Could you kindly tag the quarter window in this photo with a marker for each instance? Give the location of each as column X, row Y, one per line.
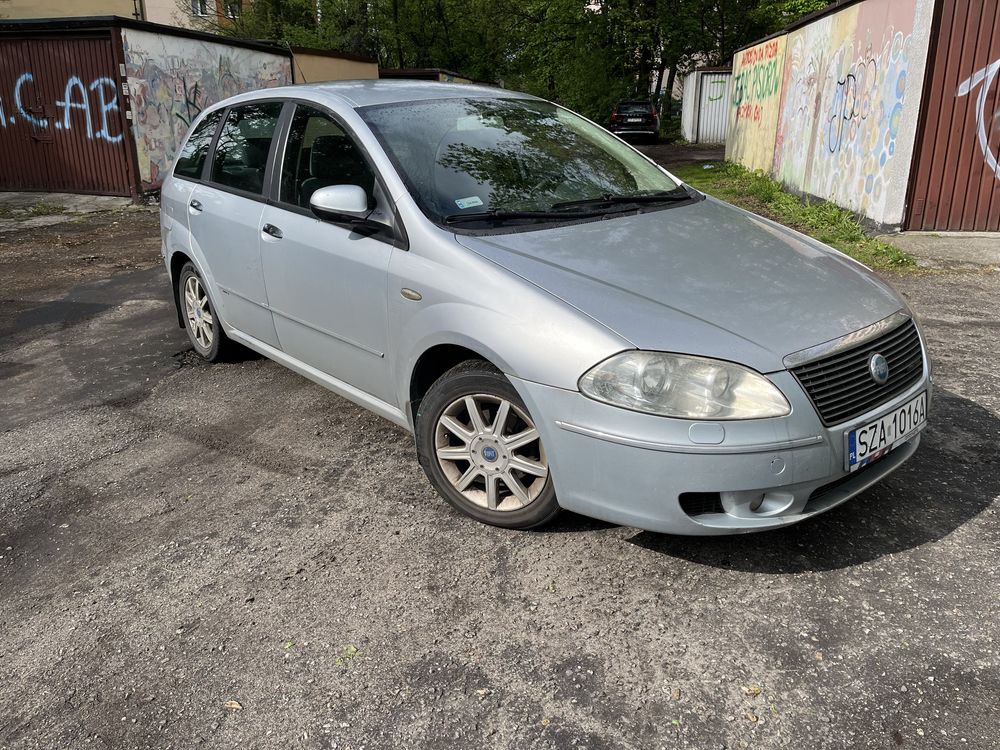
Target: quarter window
column 319, row 154
column 192, row 157
column 244, row 143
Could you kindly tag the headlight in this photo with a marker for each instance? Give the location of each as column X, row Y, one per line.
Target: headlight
column 673, row 385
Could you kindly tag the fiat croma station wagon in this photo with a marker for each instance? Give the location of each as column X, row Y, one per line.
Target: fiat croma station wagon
column 560, row 322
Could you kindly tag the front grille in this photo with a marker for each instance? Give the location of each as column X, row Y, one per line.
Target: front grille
column 841, row 386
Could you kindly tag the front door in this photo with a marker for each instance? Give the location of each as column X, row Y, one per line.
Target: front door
column 326, row 283
column 225, row 215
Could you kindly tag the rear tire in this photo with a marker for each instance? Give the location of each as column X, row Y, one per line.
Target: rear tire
column 201, row 318
column 479, row 447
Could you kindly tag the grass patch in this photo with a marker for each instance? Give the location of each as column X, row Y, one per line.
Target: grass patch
column 824, row 221
column 44, row 209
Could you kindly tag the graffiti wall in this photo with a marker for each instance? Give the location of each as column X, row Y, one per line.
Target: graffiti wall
column 850, row 101
column 172, row 79
column 754, row 102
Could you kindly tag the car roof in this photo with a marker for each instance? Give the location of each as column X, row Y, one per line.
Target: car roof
column 365, row 93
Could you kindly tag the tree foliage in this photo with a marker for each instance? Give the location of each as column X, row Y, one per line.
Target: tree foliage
column 584, row 53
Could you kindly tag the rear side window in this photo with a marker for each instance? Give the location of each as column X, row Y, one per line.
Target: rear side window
column 244, row 143
column 192, row 158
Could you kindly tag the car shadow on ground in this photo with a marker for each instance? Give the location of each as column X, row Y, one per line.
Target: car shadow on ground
column 953, row 477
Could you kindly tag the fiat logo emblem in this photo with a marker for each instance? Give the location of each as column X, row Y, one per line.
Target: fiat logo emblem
column 878, row 366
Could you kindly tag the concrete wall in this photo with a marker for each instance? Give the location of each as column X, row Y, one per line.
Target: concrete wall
column 172, row 79
column 849, row 106
column 62, row 8
column 754, row 104
column 313, row 68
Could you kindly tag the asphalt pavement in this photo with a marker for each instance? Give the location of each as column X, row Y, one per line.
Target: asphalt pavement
column 230, row 556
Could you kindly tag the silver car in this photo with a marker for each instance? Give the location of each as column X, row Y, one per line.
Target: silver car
column 560, row 322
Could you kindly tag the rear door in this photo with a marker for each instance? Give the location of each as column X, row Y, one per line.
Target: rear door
column 225, row 216
column 327, row 282
column 175, row 195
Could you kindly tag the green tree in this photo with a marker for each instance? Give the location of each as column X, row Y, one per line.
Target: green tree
column 586, row 54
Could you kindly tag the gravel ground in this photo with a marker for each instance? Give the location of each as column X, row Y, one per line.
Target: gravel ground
column 231, row 556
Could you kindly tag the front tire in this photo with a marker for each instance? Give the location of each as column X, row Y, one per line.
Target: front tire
column 480, row 448
column 201, row 319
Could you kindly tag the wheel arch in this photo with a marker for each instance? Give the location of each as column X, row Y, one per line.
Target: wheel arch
column 177, row 260
column 434, row 362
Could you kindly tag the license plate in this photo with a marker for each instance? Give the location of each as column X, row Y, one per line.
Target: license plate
column 633, row 119
column 868, row 444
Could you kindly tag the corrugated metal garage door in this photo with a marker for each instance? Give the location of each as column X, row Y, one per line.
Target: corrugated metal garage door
column 62, row 126
column 955, row 182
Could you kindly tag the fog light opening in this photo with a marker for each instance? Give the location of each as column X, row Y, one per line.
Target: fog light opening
column 757, row 502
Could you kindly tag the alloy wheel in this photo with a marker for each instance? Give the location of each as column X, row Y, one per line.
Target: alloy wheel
column 491, row 452
column 199, row 312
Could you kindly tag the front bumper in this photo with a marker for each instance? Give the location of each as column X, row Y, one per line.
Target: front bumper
column 633, row 469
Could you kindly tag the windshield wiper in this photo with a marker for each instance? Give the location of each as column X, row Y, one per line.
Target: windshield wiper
column 498, row 215
column 609, row 199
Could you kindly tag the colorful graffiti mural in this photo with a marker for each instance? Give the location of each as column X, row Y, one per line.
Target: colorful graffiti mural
column 754, row 103
column 845, row 103
column 169, row 87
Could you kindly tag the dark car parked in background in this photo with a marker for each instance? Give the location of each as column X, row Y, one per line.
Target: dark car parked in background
column 636, row 117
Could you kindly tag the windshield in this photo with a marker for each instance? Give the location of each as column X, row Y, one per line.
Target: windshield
column 482, row 156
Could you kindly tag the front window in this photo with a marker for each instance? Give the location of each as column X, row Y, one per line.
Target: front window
column 521, row 159
column 320, row 154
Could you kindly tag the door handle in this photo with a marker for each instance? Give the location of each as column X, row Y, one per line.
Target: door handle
column 273, row 231
column 195, row 206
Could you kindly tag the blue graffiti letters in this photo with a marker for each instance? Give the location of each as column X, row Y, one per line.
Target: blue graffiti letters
column 102, row 86
column 98, row 102
column 18, row 103
column 67, row 104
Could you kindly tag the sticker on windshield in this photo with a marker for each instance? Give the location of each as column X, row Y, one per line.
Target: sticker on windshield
column 469, row 202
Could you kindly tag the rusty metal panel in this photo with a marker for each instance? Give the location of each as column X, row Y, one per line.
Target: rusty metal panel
column 955, row 179
column 62, row 128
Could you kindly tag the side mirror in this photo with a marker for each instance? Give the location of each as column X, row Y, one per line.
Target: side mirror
column 340, row 203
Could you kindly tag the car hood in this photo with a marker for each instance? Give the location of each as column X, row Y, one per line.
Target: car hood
column 705, row 278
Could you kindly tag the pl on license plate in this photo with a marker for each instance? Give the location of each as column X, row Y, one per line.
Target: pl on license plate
column 634, row 119
column 869, row 443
